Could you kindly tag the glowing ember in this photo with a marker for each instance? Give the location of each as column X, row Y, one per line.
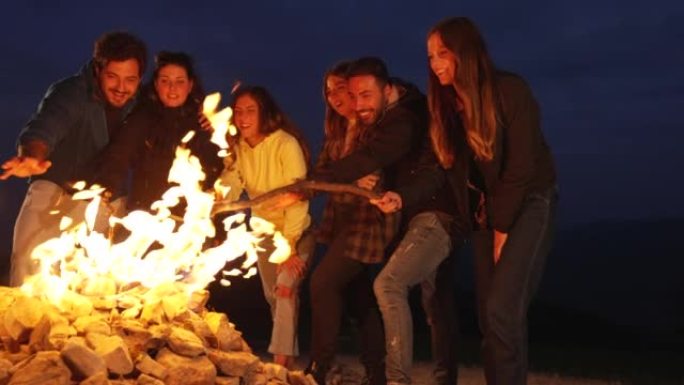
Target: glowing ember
column 163, row 260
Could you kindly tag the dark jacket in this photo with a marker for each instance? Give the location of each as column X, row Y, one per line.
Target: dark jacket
column 393, row 146
column 522, row 161
column 147, row 145
column 71, row 120
column 400, row 147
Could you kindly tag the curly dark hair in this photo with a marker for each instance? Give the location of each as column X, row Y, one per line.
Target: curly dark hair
column 119, row 46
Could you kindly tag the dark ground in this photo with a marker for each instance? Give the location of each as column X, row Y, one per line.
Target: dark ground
column 592, row 341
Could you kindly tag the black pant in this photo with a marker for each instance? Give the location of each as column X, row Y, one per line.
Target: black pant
column 440, row 308
column 505, row 290
column 335, row 279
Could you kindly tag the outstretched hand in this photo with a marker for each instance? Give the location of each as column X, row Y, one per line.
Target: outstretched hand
column 23, row 167
column 368, row 182
column 389, row 203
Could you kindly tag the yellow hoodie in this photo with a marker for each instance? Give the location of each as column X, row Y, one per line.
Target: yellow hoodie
column 276, row 161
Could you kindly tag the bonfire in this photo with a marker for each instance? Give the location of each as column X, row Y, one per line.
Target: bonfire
column 100, row 311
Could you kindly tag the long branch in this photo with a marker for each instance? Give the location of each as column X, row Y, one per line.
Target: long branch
column 297, row 187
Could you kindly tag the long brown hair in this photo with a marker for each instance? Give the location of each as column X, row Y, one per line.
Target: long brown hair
column 476, row 87
column 335, row 125
column 271, row 117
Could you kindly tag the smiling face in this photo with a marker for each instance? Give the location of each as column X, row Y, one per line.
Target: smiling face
column 173, row 85
column 443, row 62
column 119, row 81
column 338, row 97
column 247, row 119
column 369, row 97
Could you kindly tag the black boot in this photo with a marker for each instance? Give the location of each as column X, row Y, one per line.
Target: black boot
column 318, row 371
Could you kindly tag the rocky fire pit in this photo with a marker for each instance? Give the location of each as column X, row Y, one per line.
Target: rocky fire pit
column 166, row 342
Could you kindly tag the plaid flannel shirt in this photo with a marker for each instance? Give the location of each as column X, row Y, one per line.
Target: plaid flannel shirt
column 368, row 230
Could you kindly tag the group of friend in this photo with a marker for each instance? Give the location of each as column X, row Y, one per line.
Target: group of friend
column 466, row 163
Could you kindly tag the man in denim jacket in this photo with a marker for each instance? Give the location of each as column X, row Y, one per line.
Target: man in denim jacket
column 59, row 144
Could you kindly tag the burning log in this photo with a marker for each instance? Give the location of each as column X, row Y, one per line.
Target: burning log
column 297, row 188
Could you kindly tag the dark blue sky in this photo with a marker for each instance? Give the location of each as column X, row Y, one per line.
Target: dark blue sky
column 609, row 75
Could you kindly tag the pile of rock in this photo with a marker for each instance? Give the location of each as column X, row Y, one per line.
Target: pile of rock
column 181, row 345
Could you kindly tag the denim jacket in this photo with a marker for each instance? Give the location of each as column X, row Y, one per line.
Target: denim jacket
column 71, row 120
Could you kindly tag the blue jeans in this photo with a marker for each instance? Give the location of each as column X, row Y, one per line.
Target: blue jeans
column 505, row 290
column 424, row 247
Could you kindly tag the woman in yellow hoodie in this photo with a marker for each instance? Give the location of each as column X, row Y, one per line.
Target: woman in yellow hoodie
column 270, row 152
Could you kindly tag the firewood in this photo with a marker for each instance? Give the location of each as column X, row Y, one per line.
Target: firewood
column 82, row 360
column 297, row 187
column 186, row 370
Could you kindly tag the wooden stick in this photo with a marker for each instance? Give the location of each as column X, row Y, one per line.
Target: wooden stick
column 297, row 187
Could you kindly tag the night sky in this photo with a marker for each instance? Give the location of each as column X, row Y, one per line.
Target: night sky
column 608, row 74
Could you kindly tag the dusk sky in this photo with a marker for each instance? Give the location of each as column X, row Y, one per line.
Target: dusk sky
column 609, row 75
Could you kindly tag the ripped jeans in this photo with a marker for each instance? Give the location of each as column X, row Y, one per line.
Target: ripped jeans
column 284, row 308
column 417, row 259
